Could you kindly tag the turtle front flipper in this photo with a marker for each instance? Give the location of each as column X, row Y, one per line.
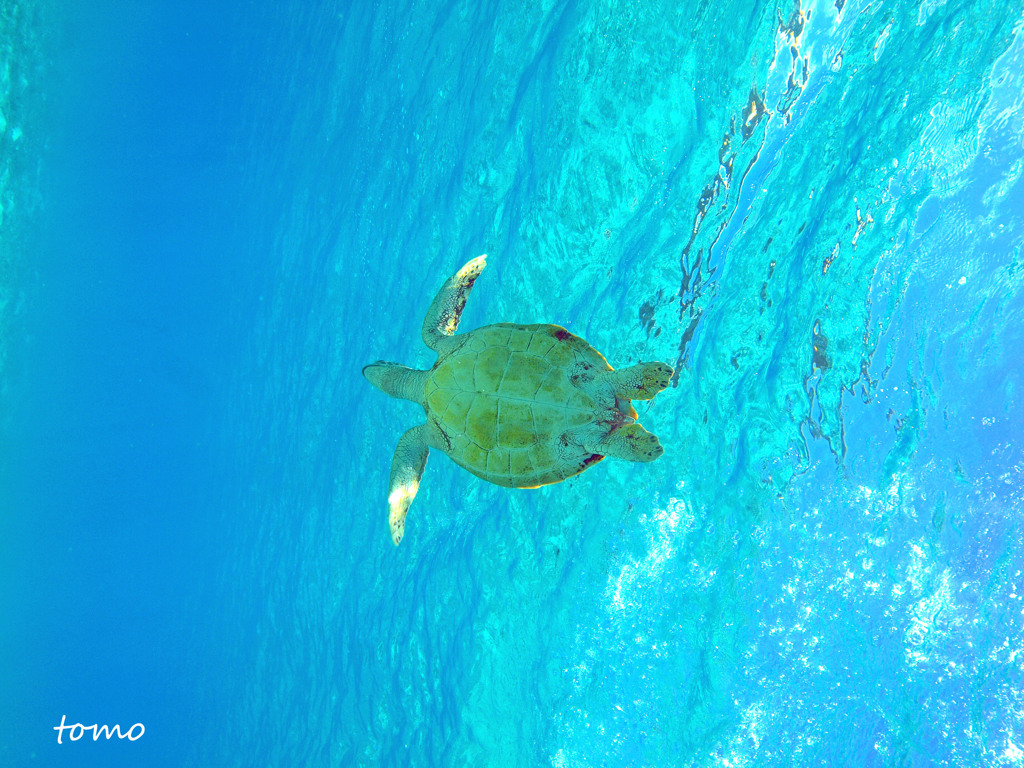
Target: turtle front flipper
column 446, row 310
column 406, row 470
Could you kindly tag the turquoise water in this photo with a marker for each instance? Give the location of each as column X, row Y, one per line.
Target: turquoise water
column 813, row 212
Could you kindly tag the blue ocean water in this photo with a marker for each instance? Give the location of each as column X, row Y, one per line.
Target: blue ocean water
column 213, row 217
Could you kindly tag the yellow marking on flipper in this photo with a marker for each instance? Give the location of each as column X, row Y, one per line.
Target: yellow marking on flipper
column 398, row 502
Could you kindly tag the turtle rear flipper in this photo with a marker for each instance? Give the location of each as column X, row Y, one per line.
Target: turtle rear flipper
column 446, row 310
column 406, row 470
column 632, row 443
column 641, row 381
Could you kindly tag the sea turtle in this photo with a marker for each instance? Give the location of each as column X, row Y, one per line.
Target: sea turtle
column 518, row 405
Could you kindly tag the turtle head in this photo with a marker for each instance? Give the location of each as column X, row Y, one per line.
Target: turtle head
column 396, row 380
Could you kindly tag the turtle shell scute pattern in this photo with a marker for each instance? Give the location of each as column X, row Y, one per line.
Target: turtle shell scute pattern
column 505, row 398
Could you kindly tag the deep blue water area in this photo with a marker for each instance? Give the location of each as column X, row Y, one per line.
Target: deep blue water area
column 213, row 215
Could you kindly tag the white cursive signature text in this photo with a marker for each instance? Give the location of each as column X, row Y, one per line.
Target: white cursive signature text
column 77, row 731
